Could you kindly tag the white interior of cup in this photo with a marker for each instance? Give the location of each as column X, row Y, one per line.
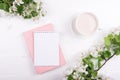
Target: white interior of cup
column 86, row 24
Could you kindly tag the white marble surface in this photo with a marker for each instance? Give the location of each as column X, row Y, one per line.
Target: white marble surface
column 15, row 62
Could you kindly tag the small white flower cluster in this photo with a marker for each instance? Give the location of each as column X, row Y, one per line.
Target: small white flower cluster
column 18, row 2
column 26, row 9
column 13, row 8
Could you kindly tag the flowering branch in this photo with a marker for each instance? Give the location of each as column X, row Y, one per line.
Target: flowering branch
column 96, row 59
column 25, row 8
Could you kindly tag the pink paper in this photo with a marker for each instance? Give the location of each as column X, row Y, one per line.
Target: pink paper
column 30, row 43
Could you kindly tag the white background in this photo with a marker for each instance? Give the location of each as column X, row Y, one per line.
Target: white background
column 15, row 62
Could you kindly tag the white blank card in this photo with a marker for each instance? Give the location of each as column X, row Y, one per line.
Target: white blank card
column 46, row 49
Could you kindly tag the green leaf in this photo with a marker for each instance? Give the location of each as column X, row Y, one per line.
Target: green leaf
column 94, row 74
column 85, row 61
column 89, row 76
column 99, row 61
column 20, row 9
column 101, row 53
column 117, row 51
column 90, row 56
column 27, row 16
column 27, row 1
column 107, row 42
column 70, row 77
column 4, row 6
column 88, row 69
column 83, row 75
column 107, row 54
column 91, row 65
column 34, row 13
column 117, row 38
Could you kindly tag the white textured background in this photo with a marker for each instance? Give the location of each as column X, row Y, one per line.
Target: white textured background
column 15, row 62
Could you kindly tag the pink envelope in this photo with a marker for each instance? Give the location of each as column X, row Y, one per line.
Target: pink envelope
column 29, row 40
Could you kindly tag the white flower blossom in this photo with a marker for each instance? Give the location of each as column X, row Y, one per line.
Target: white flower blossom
column 18, row 2
column 75, row 75
column 13, row 8
column 68, row 71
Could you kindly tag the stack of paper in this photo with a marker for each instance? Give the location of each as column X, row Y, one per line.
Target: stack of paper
column 46, row 54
